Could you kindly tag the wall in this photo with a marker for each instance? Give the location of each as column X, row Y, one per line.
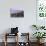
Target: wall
column 6, row 22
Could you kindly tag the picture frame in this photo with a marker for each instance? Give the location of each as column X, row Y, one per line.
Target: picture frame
column 41, row 12
column 16, row 13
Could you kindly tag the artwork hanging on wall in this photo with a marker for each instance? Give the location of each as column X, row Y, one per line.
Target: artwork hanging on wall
column 41, row 8
column 41, row 12
column 16, row 13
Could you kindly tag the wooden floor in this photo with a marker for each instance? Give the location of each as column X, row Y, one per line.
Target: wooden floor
column 13, row 44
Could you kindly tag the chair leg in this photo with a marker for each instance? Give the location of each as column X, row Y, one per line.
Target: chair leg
column 17, row 39
column 5, row 40
column 5, row 43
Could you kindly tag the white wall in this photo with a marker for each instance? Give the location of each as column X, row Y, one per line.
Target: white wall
column 6, row 22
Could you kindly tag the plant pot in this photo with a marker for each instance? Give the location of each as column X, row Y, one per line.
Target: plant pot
column 40, row 41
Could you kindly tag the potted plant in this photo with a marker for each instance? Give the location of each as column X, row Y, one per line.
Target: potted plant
column 35, row 26
column 39, row 35
column 38, row 27
column 42, row 27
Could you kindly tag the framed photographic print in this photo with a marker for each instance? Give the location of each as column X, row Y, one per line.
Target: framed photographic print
column 41, row 12
column 41, row 8
column 16, row 13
